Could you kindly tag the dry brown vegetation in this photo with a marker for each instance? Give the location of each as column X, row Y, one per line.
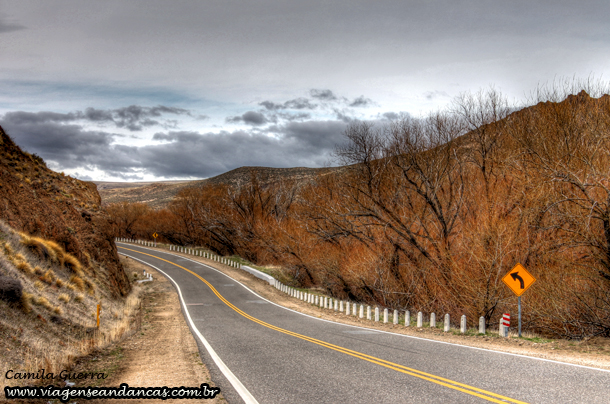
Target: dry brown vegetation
column 429, row 214
column 46, row 205
column 44, row 324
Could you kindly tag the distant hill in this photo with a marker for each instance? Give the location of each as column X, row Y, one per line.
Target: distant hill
column 159, row 194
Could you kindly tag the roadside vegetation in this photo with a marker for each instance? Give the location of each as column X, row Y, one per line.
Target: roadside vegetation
column 48, row 306
column 428, row 214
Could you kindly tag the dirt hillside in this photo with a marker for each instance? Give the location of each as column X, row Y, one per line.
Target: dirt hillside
column 41, row 202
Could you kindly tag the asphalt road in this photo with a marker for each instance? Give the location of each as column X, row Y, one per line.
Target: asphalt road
column 260, row 352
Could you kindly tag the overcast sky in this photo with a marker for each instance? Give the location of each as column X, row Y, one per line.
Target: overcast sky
column 144, row 90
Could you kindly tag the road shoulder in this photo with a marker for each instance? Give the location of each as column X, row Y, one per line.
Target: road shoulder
column 163, row 352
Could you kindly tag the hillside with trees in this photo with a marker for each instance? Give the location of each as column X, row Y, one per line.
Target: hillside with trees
column 430, row 213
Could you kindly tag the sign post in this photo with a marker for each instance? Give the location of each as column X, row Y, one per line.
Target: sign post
column 155, row 235
column 518, row 280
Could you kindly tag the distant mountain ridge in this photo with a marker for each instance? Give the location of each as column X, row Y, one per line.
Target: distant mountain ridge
column 159, row 194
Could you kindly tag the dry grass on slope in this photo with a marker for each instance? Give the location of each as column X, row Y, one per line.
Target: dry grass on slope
column 48, row 306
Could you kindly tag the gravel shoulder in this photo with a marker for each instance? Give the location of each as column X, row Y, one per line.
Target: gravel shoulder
column 163, row 352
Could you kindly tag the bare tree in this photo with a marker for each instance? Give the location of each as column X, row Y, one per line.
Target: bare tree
column 567, row 145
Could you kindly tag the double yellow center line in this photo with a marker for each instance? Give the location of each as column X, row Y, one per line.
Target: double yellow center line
column 464, row 388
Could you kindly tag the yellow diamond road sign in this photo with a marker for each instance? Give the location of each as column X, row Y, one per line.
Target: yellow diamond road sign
column 518, row 279
column 155, row 235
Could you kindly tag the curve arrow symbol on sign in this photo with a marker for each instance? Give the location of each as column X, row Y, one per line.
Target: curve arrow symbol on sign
column 515, row 276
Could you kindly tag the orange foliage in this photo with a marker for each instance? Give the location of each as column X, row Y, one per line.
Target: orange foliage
column 430, row 214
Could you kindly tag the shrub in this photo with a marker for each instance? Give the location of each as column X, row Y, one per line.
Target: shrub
column 42, row 301
column 26, row 300
column 48, row 277
column 90, row 285
column 59, row 283
column 38, row 246
column 8, row 250
column 79, row 298
column 24, row 267
column 10, row 289
column 64, row 297
column 57, row 253
column 78, row 282
column 73, row 264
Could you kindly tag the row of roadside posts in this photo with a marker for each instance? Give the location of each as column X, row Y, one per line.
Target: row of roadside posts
column 517, row 279
column 186, row 250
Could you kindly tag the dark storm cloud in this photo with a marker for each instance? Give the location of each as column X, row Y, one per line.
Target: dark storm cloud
column 133, row 117
column 22, row 118
column 97, row 115
column 344, row 114
column 361, row 101
column 272, row 106
column 8, row 26
column 294, row 116
column 297, row 103
column 249, row 118
column 70, row 146
column 317, row 136
column 392, row 116
column 57, row 141
column 191, row 154
column 325, row 95
column 327, row 101
column 64, row 144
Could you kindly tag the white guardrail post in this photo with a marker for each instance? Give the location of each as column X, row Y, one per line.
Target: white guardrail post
column 447, row 323
column 481, row 325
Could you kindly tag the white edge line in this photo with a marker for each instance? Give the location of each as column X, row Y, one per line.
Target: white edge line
column 237, row 385
column 381, row 331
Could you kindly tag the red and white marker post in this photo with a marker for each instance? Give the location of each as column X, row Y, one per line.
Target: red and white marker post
column 504, row 325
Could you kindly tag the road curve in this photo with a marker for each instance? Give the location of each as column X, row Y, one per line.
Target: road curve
column 260, row 352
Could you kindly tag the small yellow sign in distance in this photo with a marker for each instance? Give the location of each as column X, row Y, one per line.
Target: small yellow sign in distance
column 155, row 235
column 518, row 279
